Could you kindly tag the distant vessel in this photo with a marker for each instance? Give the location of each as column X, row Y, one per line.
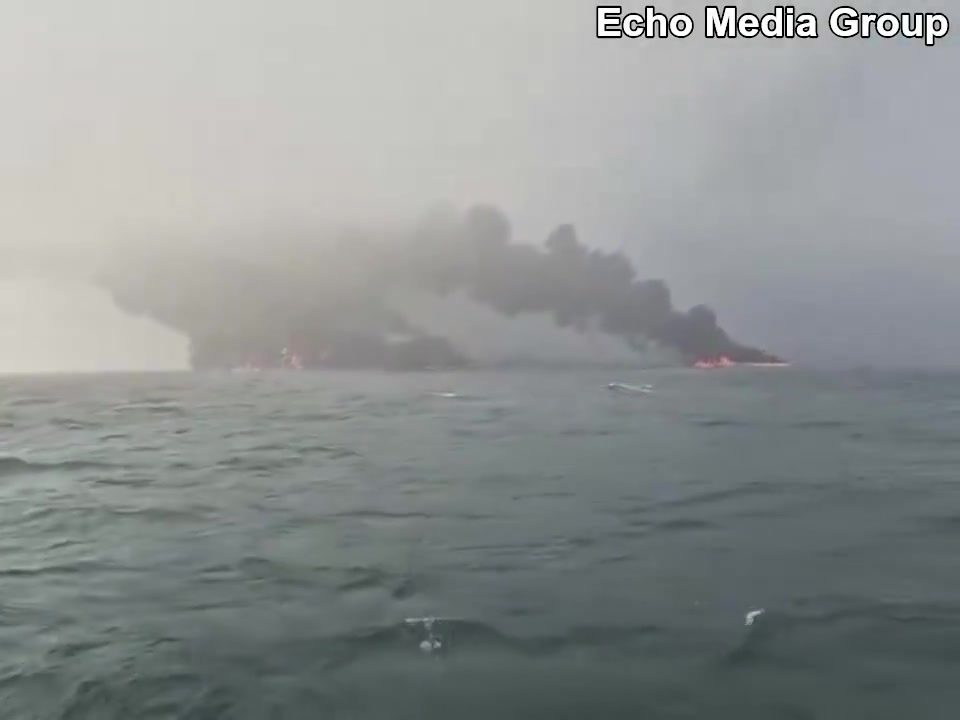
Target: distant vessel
column 714, row 363
column 624, row 388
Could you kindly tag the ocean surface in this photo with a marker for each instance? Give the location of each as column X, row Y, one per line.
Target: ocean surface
column 361, row 545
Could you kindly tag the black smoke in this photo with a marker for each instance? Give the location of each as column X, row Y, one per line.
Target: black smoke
column 236, row 299
column 579, row 287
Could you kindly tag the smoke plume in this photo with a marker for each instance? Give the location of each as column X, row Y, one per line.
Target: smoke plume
column 237, row 300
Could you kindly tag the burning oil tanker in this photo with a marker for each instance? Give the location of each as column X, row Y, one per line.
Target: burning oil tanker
column 309, row 302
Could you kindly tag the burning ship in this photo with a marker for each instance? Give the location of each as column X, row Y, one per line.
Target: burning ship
column 307, row 302
column 716, row 363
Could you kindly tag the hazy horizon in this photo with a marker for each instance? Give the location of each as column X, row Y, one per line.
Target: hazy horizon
column 799, row 187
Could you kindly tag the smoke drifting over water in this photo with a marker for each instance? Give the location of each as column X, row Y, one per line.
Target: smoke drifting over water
column 329, row 301
column 577, row 286
column 789, row 184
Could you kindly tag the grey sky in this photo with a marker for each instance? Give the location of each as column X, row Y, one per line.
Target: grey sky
column 801, row 187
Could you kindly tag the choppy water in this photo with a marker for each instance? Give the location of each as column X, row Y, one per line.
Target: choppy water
column 252, row 547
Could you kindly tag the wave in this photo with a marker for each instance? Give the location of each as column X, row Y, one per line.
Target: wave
column 684, row 525
column 149, row 408
column 796, row 425
column 756, row 487
column 876, row 625
column 31, row 401
column 380, row 515
column 399, row 586
column 819, row 424
column 82, row 567
column 455, row 635
column 941, row 523
column 66, row 423
column 298, row 456
column 323, row 417
column 10, row 465
column 588, row 432
column 336, row 453
column 720, row 422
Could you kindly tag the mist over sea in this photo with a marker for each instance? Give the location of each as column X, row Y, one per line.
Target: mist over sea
column 273, row 545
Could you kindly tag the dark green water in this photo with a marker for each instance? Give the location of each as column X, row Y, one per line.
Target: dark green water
column 251, row 547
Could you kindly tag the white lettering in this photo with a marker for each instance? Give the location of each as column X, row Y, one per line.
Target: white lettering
column 608, row 22
column 912, row 27
column 651, row 24
column 721, row 26
column 748, row 26
column 844, row 22
column 807, row 26
column 783, row 22
column 633, row 25
column 888, row 26
column 681, row 25
column 660, row 21
column 937, row 27
column 866, row 20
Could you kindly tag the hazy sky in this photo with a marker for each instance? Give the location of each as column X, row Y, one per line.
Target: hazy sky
column 802, row 187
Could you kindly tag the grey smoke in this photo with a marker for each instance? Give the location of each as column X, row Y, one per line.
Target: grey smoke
column 789, row 185
column 285, row 290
